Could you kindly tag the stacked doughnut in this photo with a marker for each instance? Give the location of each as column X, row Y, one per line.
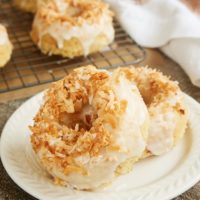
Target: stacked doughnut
column 72, row 28
column 94, row 124
column 87, row 131
column 5, row 46
column 165, row 103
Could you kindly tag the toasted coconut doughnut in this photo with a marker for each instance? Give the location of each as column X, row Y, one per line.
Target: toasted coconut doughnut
column 92, row 127
column 168, row 113
column 5, row 46
column 72, row 27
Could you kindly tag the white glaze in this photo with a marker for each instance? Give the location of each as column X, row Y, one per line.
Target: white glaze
column 161, row 133
column 86, row 33
column 162, row 126
column 3, row 35
column 130, row 136
column 101, row 170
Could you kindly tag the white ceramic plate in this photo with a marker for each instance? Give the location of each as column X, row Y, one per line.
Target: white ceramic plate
column 155, row 178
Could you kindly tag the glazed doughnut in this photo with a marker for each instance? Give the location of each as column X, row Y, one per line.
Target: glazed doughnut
column 165, row 102
column 26, row 5
column 72, row 28
column 91, row 128
column 5, row 46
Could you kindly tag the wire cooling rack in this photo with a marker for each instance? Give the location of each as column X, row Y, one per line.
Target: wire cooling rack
column 28, row 67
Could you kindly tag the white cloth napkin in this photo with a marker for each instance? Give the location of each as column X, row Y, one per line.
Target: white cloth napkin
column 167, row 24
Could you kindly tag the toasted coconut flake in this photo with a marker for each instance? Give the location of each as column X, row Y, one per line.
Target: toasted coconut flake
column 78, row 12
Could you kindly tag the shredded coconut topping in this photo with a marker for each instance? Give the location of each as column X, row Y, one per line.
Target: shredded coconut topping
column 73, row 11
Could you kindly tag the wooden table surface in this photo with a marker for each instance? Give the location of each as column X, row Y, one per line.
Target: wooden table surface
column 154, row 58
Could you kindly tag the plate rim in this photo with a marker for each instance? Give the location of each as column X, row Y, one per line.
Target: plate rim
column 193, row 180
column 9, row 173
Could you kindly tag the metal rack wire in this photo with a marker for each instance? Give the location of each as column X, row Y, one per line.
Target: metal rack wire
column 28, row 67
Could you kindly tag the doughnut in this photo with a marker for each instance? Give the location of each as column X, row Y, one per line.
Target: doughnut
column 92, row 127
column 26, row 5
column 167, row 111
column 5, row 46
column 72, row 28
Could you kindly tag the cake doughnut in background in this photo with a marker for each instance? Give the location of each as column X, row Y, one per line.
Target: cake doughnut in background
column 91, row 128
column 5, row 46
column 167, row 111
column 72, row 28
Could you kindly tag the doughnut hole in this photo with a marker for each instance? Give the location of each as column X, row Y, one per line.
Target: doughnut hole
column 79, row 120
